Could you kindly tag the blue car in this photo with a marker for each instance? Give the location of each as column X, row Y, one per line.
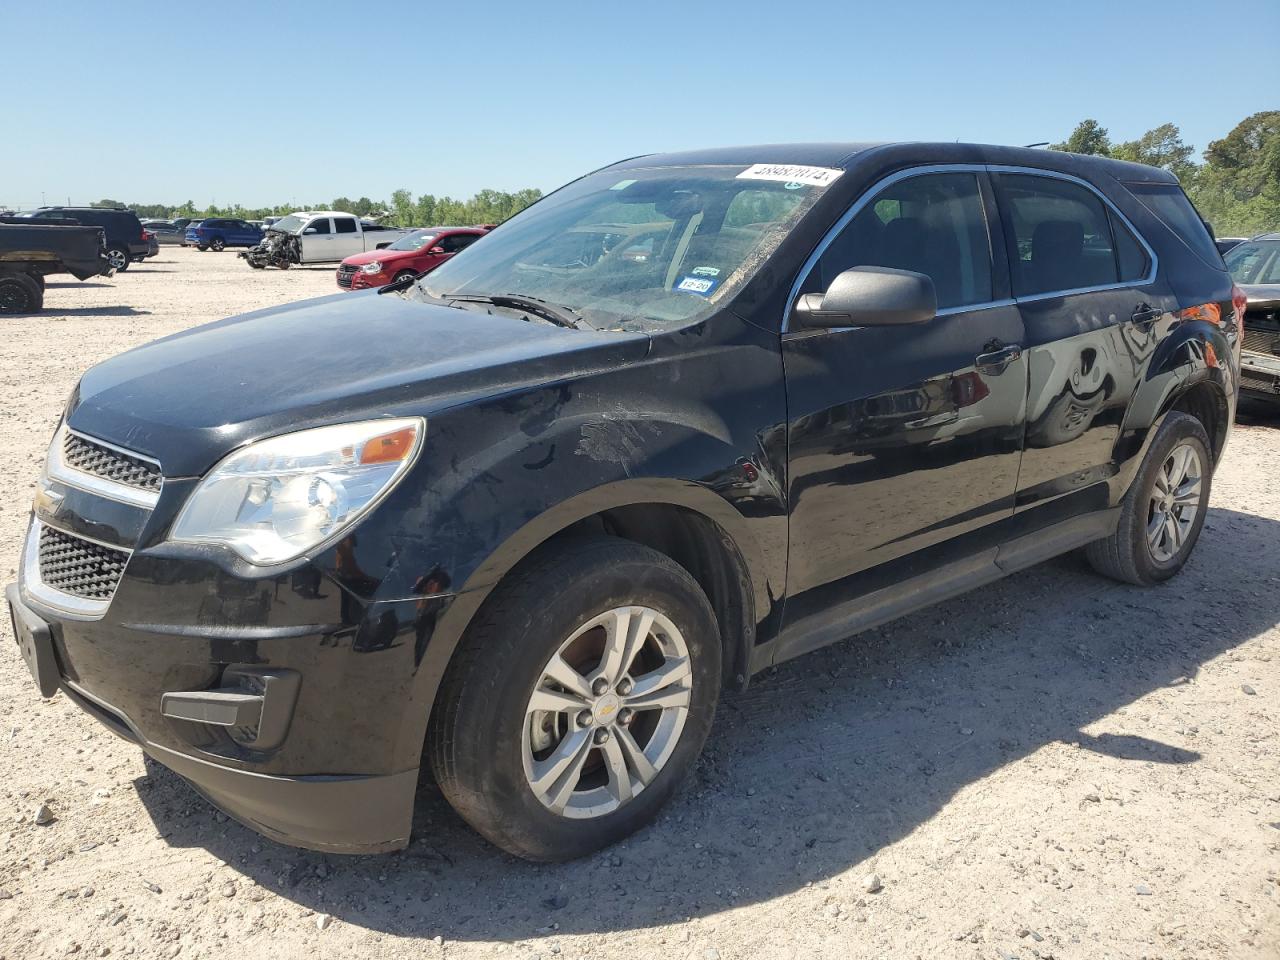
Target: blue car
column 217, row 233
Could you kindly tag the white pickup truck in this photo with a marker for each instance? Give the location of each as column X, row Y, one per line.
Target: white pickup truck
column 320, row 236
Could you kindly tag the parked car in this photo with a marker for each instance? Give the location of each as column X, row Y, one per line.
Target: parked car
column 166, row 231
column 1255, row 265
column 409, row 256
column 153, row 244
column 29, row 252
column 537, row 510
column 269, row 222
column 1227, row 243
column 320, row 236
column 218, row 233
column 125, row 242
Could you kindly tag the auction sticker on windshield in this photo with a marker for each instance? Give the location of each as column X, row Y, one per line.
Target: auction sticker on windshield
column 791, row 173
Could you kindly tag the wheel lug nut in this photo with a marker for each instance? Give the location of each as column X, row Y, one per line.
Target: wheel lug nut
column 625, row 715
column 600, row 686
column 584, row 718
column 625, row 686
column 602, row 736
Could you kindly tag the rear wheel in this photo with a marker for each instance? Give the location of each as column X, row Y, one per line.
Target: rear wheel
column 1164, row 510
column 578, row 700
column 217, row 244
column 19, row 293
column 119, row 258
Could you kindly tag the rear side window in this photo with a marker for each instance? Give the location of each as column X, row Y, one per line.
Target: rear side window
column 344, row 224
column 932, row 224
column 1131, row 259
column 1170, row 204
column 1059, row 235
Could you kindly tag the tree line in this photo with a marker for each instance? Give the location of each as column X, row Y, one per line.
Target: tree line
column 1235, row 186
column 403, row 210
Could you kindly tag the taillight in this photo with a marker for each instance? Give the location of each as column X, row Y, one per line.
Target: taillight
column 1240, row 303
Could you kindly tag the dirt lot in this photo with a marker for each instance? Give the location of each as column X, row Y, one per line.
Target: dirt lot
column 1055, row 766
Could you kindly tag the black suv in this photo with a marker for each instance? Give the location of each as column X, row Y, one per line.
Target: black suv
column 690, row 415
column 125, row 240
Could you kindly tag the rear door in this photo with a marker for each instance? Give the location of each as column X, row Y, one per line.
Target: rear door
column 904, row 437
column 1086, row 288
column 347, row 237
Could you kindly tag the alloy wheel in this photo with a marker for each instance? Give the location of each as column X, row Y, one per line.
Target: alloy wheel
column 118, row 259
column 607, row 712
column 1175, row 502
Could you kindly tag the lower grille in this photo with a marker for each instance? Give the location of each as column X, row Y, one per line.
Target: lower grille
column 345, row 275
column 79, row 567
column 1259, row 385
column 1262, row 340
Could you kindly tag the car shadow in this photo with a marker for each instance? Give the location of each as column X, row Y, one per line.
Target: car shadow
column 75, row 284
column 112, row 311
column 821, row 764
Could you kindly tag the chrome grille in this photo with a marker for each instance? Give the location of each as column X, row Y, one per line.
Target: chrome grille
column 101, row 461
column 79, row 567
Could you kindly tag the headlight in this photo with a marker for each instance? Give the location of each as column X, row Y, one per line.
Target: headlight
column 278, row 498
column 375, row 267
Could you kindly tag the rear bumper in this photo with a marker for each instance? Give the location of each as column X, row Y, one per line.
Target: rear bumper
column 352, row 814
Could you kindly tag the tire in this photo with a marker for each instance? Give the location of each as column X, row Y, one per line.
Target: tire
column 217, row 244
column 19, row 294
column 119, row 258
column 1129, row 554
column 486, row 743
column 403, row 275
column 202, row 247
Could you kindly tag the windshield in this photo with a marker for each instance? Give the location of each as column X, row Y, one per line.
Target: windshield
column 414, row 241
column 290, row 224
column 1255, row 262
column 635, row 248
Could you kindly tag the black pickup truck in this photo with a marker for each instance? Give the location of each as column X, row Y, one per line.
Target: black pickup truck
column 30, row 252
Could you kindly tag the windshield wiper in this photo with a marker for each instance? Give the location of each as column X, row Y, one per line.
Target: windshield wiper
column 560, row 316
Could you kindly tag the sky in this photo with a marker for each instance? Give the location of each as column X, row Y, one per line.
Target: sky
column 266, row 103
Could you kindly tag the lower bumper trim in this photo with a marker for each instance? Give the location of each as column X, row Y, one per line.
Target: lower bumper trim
column 332, row 814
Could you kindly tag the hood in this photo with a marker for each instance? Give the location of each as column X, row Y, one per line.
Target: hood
column 1262, row 294
column 388, row 256
column 188, row 399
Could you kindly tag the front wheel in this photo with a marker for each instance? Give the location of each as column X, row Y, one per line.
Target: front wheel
column 404, row 275
column 118, row 258
column 1163, row 512
column 578, row 700
column 217, row 244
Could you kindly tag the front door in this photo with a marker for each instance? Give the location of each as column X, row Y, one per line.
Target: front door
column 1094, row 313
column 318, row 241
column 904, row 437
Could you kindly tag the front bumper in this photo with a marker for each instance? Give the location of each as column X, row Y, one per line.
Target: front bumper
column 340, row 776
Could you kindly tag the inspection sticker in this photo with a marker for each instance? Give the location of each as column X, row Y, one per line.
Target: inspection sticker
column 702, row 287
column 789, row 173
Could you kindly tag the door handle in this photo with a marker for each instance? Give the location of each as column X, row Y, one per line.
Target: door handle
column 1145, row 314
column 997, row 361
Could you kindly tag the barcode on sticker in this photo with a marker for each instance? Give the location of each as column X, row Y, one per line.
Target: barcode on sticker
column 791, row 173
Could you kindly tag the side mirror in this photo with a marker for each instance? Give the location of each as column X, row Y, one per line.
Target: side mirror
column 436, row 251
column 309, row 230
column 869, row 297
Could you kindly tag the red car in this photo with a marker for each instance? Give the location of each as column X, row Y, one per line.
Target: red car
column 417, row 253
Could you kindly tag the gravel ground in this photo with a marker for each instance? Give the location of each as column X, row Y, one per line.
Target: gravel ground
column 1054, row 766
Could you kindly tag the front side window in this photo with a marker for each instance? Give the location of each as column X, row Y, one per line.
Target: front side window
column 320, row 226
column 640, row 247
column 345, row 224
column 1059, row 235
column 459, row 241
column 932, row 224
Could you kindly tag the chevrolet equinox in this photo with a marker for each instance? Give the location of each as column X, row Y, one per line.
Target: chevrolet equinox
column 526, row 517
